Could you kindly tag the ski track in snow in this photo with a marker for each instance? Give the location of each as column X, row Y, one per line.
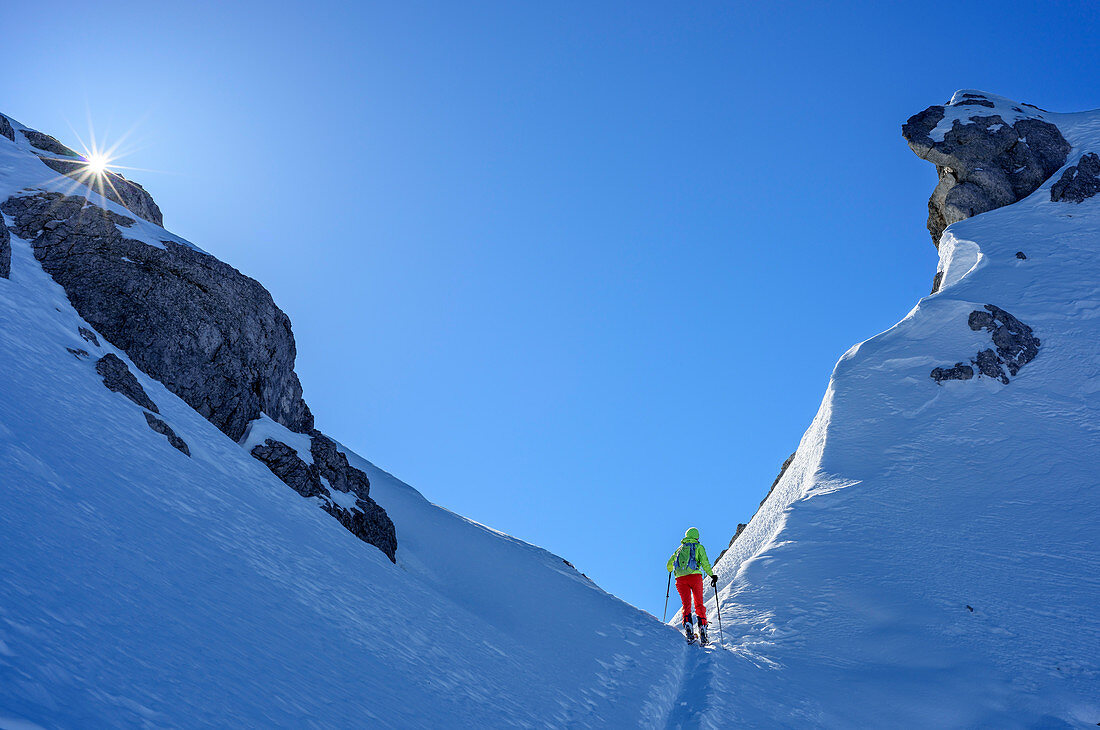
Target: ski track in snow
column 692, row 703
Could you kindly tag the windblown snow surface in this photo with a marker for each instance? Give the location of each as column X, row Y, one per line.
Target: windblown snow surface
column 929, row 559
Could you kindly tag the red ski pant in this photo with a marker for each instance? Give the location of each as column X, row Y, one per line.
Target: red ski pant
column 688, row 586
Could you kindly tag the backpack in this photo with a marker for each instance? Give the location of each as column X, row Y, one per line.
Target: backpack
column 692, row 563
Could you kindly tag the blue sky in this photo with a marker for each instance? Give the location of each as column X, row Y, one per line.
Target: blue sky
column 578, row 271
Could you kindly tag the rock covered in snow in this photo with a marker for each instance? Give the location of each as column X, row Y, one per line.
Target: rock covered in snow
column 209, row 333
column 1015, row 342
column 118, row 378
column 88, row 335
column 45, row 143
column 5, row 251
column 961, row 371
column 366, row 520
column 165, row 430
column 285, row 463
column 1016, row 345
column 362, row 516
column 1079, row 182
column 985, row 160
column 126, row 193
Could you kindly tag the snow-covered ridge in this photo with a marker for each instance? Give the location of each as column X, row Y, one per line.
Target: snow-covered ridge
column 935, row 540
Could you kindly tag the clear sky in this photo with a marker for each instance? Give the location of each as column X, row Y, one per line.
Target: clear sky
column 578, row 271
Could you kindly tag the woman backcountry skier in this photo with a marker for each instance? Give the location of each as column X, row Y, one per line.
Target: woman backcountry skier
column 690, row 562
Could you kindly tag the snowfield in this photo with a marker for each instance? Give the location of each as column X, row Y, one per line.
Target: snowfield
column 929, row 559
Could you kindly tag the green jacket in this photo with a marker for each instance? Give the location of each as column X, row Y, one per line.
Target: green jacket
column 684, row 552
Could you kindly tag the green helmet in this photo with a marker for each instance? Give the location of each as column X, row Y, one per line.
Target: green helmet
column 692, row 533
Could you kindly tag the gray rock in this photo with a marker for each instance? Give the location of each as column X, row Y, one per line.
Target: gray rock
column 975, row 100
column 46, row 143
column 1014, row 342
column 1079, row 182
column 367, row 520
column 1020, row 255
column 165, row 430
column 990, row 366
column 983, row 164
column 937, row 282
column 961, row 371
column 113, row 186
column 5, row 251
column 370, row 523
column 213, row 336
column 117, row 377
column 6, row 128
column 89, row 336
column 78, row 353
column 284, row 462
column 333, row 466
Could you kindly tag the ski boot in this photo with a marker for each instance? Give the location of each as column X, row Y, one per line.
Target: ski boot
column 688, row 631
column 703, row 641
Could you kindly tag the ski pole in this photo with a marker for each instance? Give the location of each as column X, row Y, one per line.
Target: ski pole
column 718, row 605
column 664, row 616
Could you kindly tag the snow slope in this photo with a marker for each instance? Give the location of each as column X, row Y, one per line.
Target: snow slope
column 141, row 587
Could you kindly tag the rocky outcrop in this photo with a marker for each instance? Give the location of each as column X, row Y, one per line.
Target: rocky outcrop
column 368, row 521
column 1079, row 182
column 46, row 143
column 330, row 470
column 88, row 336
column 5, row 251
column 117, row 377
column 961, row 371
column 1014, row 345
column 213, row 336
column 165, row 430
column 111, row 185
column 284, row 462
column 984, row 160
column 6, row 128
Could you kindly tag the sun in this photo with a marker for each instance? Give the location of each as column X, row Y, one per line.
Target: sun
column 97, row 163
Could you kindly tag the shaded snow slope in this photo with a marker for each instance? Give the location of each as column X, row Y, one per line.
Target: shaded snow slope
column 143, row 587
column 931, row 558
